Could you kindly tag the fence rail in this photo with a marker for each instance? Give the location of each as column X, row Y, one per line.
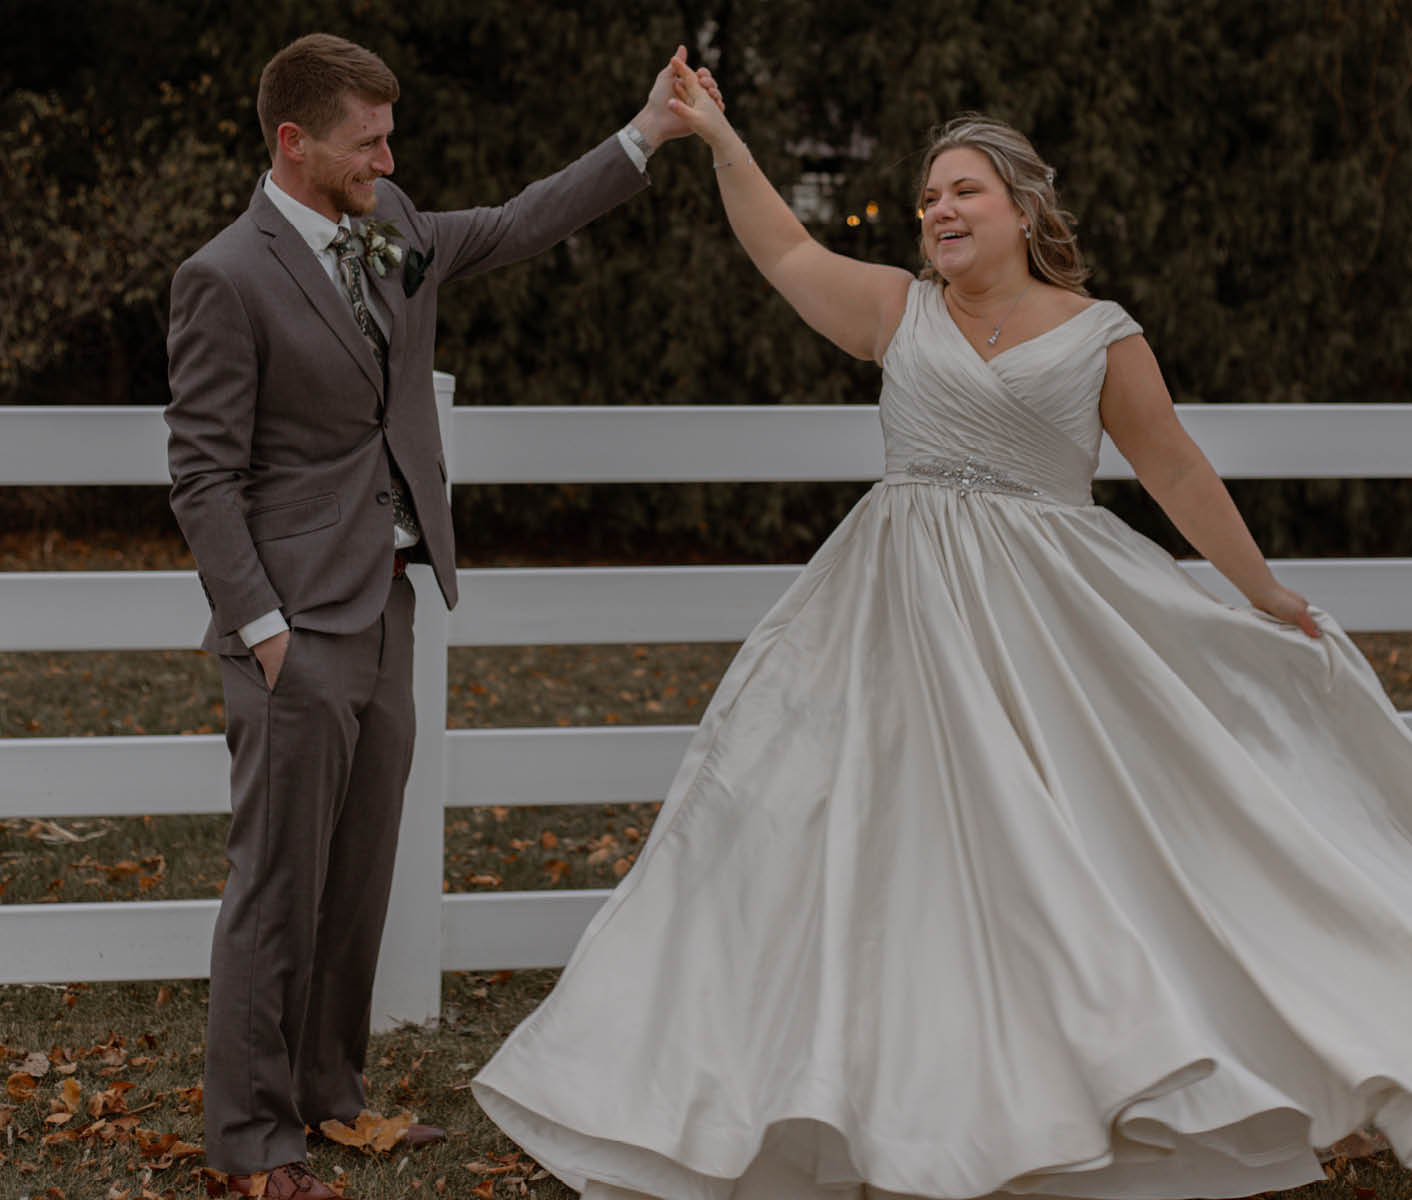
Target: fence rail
column 429, row 932
column 739, row 443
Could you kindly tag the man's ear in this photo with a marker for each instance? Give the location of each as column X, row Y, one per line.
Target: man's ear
column 292, row 141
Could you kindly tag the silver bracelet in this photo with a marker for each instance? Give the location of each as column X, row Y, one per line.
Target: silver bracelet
column 749, row 161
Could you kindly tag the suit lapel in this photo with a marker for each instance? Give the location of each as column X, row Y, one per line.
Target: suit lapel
column 322, row 293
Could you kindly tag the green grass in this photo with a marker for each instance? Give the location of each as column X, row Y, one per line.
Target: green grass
column 150, row 1035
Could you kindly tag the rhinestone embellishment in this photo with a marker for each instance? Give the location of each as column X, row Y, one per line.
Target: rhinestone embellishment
column 968, row 475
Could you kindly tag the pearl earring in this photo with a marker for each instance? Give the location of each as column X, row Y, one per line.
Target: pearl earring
column 1026, row 228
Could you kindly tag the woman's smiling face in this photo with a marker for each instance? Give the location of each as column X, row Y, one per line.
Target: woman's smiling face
column 968, row 218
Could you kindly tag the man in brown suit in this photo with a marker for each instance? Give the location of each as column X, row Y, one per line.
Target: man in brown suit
column 307, row 471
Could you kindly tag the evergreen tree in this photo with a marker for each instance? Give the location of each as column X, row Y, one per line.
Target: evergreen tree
column 1241, row 174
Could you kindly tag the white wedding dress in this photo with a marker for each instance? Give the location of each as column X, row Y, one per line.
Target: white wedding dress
column 1006, row 859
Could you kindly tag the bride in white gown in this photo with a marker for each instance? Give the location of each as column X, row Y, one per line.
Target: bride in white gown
column 1006, row 859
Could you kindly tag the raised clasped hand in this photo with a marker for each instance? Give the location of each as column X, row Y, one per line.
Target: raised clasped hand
column 658, row 121
column 690, row 103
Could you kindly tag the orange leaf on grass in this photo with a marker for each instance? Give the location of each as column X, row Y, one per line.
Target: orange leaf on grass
column 71, row 1095
column 110, row 1102
column 111, row 1052
column 151, row 1144
column 484, row 1191
column 371, row 1132
column 20, row 1086
column 192, row 1097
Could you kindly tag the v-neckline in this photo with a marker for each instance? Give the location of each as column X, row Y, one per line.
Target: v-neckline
column 987, row 362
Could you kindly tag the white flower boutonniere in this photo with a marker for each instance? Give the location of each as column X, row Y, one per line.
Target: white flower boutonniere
column 375, row 242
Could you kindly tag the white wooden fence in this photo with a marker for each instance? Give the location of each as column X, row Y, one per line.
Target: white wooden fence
column 427, row 931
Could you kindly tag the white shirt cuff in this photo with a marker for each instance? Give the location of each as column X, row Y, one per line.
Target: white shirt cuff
column 639, row 160
column 263, row 627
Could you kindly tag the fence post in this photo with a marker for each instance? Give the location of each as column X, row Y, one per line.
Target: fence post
column 408, row 986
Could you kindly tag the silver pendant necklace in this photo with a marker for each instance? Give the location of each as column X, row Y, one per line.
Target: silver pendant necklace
column 995, row 332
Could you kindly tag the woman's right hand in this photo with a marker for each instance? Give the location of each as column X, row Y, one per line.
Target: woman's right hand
column 701, row 113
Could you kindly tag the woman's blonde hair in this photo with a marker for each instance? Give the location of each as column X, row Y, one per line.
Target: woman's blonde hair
column 1053, row 248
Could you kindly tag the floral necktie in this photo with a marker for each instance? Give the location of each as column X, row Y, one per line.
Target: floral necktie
column 351, row 272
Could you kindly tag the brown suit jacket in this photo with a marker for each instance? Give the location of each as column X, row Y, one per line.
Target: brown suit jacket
column 280, row 421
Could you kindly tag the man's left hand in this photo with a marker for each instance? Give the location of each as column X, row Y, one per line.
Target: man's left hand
column 656, row 122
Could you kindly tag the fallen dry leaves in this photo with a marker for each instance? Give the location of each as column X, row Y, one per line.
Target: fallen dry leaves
column 514, row 1170
column 99, row 1123
column 256, row 1185
column 370, row 1133
column 20, row 1086
column 163, row 1149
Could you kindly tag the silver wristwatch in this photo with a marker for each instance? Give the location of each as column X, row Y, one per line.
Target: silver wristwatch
column 639, row 139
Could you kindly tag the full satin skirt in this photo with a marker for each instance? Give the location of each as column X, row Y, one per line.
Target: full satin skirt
column 1006, row 859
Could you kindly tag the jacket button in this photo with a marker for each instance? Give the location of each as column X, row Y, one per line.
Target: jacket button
column 384, row 497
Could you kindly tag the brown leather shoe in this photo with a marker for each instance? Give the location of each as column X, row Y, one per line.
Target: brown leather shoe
column 293, row 1181
column 418, row 1137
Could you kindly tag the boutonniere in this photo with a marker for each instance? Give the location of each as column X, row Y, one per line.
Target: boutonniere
column 416, row 268
column 375, row 238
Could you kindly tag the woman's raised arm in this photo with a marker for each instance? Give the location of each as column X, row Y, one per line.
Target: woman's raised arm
column 856, row 305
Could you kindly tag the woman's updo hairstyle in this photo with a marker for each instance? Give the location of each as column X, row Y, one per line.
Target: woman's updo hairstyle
column 1053, row 248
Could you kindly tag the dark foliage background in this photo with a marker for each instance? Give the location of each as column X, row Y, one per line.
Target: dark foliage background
column 1242, row 175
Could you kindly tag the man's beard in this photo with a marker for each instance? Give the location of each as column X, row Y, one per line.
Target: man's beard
column 355, row 204
column 343, row 197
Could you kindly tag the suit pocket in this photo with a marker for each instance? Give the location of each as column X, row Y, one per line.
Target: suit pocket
column 293, row 517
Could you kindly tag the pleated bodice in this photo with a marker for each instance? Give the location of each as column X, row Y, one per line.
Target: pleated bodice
column 1015, row 424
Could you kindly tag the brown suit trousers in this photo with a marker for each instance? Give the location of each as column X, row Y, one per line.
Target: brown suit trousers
column 319, row 763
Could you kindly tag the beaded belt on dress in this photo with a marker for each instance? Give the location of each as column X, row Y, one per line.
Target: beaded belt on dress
column 967, row 474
